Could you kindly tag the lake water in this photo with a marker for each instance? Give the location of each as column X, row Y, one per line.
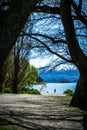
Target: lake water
column 55, row 88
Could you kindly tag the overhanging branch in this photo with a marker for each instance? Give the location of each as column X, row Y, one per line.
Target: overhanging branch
column 50, row 50
column 53, row 40
column 47, row 9
column 56, row 10
column 79, row 15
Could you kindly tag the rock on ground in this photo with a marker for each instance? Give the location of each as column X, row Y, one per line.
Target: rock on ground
column 40, row 112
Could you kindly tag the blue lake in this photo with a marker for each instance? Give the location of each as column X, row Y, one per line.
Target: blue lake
column 57, row 88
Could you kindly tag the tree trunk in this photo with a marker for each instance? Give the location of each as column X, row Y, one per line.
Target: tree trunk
column 1, row 75
column 12, row 22
column 1, row 81
column 15, row 77
column 80, row 96
column 16, row 68
column 78, row 57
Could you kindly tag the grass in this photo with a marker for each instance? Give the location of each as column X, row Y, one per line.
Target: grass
column 8, row 127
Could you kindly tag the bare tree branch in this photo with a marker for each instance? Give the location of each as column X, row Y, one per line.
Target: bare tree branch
column 79, row 15
column 47, row 9
column 45, row 36
column 50, row 50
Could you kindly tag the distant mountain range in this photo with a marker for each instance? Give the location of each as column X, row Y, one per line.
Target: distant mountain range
column 59, row 75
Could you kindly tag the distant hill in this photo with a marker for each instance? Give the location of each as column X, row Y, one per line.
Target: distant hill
column 57, row 76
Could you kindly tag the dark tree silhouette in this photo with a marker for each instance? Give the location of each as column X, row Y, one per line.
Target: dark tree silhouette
column 13, row 16
column 78, row 57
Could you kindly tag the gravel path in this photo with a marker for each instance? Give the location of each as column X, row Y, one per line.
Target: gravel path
column 40, row 112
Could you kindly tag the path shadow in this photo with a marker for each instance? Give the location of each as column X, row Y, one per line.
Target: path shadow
column 28, row 121
column 85, row 122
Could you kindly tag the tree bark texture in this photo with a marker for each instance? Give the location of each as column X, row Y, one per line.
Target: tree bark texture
column 16, row 71
column 79, row 59
column 12, row 22
column 80, row 96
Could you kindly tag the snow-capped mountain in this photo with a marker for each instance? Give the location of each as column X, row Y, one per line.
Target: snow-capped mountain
column 66, row 67
column 63, row 73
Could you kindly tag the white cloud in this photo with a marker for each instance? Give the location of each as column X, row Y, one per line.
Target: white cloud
column 38, row 62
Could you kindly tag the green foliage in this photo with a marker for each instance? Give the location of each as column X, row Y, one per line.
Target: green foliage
column 8, row 127
column 68, row 92
column 30, row 76
column 34, row 91
column 27, row 74
column 29, row 91
column 8, row 90
column 23, row 90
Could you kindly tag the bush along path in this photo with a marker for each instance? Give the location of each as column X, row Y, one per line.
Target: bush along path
column 37, row 112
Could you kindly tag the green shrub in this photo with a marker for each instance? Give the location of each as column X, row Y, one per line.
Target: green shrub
column 8, row 90
column 8, row 127
column 68, row 92
column 34, row 91
column 29, row 91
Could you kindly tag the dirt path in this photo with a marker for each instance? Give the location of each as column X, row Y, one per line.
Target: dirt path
column 37, row 112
